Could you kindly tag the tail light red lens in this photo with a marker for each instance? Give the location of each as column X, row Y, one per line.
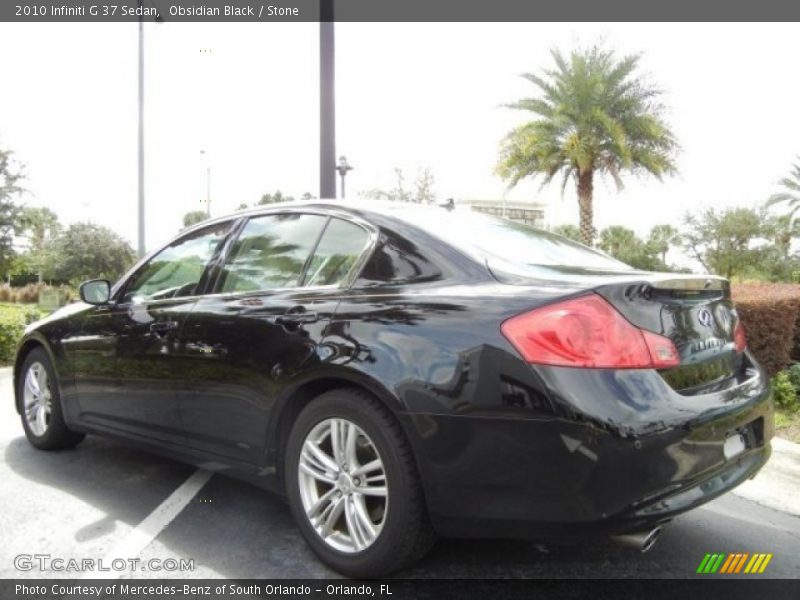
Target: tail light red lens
column 587, row 332
column 739, row 339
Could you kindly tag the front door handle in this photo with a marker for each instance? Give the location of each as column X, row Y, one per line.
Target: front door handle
column 161, row 328
column 297, row 316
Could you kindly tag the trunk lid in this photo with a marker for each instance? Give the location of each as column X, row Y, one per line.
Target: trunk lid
column 694, row 311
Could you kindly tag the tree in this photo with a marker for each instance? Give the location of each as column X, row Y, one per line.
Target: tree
column 42, row 227
column 594, row 115
column 274, row 198
column 10, row 191
column 791, row 191
column 782, row 230
column 193, row 217
column 422, row 192
column 623, row 244
column 778, row 261
column 423, row 187
column 87, row 251
column 569, row 231
column 662, row 237
column 726, row 242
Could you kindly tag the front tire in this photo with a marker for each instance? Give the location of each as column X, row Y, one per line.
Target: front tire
column 353, row 487
column 40, row 404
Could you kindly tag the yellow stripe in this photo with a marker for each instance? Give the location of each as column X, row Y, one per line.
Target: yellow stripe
column 758, row 563
column 728, row 562
column 765, row 563
column 761, row 557
column 750, row 564
column 741, row 562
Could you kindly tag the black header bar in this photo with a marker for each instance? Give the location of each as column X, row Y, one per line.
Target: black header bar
column 181, row 11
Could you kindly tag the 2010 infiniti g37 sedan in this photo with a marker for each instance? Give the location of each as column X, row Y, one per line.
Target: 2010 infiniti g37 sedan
column 400, row 372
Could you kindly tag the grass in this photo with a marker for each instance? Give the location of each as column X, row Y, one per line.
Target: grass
column 787, row 424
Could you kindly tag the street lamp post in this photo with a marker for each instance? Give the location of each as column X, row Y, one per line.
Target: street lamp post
column 327, row 106
column 343, row 167
column 140, row 105
column 140, row 140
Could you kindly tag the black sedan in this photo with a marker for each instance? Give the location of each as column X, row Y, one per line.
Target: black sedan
column 402, row 372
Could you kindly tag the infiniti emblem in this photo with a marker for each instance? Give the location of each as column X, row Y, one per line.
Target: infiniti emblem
column 705, row 318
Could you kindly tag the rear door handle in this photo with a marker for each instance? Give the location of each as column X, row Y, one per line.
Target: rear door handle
column 160, row 328
column 297, row 316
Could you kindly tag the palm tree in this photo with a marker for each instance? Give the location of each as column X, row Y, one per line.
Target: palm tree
column 791, row 191
column 594, row 114
column 618, row 240
column 662, row 237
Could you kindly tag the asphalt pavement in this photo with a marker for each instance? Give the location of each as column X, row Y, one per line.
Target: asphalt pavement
column 105, row 500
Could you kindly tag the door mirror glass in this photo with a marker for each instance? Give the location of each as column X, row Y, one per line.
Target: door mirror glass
column 96, row 291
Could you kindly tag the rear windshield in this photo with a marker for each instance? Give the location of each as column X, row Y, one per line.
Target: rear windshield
column 506, row 243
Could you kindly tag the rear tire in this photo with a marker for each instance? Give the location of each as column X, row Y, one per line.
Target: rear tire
column 389, row 519
column 40, row 404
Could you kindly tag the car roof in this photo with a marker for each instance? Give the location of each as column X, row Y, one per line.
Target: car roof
column 377, row 207
column 377, row 212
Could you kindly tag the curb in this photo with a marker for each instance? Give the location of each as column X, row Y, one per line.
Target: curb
column 776, row 485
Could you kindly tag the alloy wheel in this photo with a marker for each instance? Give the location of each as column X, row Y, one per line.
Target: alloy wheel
column 37, row 399
column 343, row 485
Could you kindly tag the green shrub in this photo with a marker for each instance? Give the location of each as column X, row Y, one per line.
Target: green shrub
column 794, row 376
column 784, row 392
column 12, row 326
column 13, row 320
column 769, row 313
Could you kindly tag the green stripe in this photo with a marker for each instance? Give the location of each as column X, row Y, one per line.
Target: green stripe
column 703, row 564
column 718, row 564
column 710, row 563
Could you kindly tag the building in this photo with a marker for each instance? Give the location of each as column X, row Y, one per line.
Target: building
column 529, row 213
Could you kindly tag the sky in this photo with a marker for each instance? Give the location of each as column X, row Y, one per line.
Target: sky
column 409, row 96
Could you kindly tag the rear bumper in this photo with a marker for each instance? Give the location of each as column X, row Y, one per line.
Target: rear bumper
column 497, row 476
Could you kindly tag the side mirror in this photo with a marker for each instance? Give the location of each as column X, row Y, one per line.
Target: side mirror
column 96, row 291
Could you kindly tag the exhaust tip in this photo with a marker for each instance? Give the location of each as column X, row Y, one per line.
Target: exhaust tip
column 650, row 539
column 639, row 540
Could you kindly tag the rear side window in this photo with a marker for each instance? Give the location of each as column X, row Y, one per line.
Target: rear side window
column 339, row 248
column 514, row 244
column 270, row 252
column 397, row 260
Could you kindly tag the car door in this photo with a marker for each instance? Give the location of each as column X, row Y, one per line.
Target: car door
column 261, row 330
column 127, row 369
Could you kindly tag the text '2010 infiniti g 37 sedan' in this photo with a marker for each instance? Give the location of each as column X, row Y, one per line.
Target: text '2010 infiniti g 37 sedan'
column 401, row 372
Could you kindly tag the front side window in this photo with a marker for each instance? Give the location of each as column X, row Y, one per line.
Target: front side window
column 176, row 270
column 271, row 252
column 336, row 254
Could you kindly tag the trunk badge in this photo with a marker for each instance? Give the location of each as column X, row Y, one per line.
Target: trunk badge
column 705, row 318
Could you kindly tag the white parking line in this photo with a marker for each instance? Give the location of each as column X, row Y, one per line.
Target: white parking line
column 153, row 524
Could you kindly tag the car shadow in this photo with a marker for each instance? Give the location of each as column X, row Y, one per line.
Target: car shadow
column 233, row 528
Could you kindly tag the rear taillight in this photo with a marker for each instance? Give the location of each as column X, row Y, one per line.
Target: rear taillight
column 587, row 332
column 739, row 339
